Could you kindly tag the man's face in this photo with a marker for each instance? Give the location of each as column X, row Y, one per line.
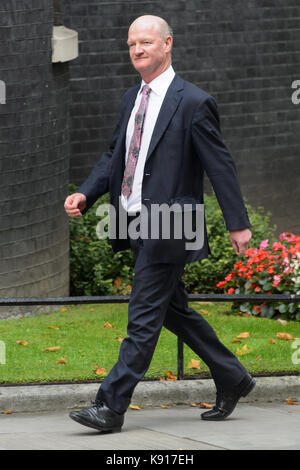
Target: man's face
column 148, row 50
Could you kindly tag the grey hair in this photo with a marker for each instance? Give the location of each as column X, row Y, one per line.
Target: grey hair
column 167, row 30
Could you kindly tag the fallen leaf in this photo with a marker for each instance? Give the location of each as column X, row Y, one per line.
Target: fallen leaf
column 166, row 406
column 194, row 364
column 205, row 312
column 100, row 371
column 290, row 401
column 118, row 282
column 134, row 407
column 91, row 309
column 54, row 327
column 61, row 361
column 54, row 348
column 108, row 325
column 246, row 334
column 21, row 316
column 170, row 376
column 205, row 405
column 244, row 350
column 282, row 322
column 258, row 358
column 119, row 338
column 7, row 412
column 236, row 341
column 272, row 341
column 23, row 343
column 193, row 404
column 63, row 309
column 285, row 336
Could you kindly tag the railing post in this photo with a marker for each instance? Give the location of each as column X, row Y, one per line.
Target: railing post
column 180, row 366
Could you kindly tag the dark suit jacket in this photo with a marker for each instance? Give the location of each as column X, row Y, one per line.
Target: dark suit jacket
column 186, row 141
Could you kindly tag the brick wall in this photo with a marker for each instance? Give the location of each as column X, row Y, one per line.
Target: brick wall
column 244, row 52
column 34, row 155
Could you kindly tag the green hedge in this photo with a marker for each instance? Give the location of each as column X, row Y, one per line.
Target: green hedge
column 97, row 270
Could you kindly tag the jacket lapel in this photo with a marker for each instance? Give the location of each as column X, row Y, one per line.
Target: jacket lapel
column 167, row 110
column 127, row 113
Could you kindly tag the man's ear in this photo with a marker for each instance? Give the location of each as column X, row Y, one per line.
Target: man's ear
column 168, row 43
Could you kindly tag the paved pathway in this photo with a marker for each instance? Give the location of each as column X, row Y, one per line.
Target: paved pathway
column 251, row 426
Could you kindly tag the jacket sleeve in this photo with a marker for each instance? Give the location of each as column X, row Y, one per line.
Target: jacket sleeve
column 97, row 183
column 218, row 164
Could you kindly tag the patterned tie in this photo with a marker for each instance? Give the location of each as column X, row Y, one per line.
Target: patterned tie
column 135, row 143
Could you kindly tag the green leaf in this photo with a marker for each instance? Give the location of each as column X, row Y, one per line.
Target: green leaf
column 245, row 307
column 283, row 308
column 267, row 311
column 292, row 307
column 267, row 286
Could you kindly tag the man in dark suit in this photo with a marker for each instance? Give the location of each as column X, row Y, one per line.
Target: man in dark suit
column 167, row 135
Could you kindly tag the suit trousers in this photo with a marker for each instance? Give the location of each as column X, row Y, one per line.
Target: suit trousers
column 158, row 298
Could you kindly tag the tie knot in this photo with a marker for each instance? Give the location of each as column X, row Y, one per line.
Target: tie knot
column 146, row 90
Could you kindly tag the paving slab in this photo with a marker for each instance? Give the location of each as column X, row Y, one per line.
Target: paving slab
column 251, row 426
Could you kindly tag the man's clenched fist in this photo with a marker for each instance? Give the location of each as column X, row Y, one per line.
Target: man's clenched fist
column 240, row 240
column 74, row 204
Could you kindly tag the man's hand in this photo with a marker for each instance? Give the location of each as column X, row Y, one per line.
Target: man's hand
column 74, row 204
column 240, row 240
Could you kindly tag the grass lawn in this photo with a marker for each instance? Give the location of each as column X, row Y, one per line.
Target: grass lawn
column 85, row 343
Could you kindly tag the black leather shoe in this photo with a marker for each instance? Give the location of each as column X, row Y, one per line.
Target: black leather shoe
column 99, row 417
column 227, row 400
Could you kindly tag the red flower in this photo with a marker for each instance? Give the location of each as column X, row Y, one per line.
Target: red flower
column 260, row 267
column 230, row 291
column 221, row 284
column 239, row 264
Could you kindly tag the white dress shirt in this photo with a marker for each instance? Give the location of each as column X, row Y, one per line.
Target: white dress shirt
column 159, row 87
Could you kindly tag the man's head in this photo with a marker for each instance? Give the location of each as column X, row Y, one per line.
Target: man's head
column 150, row 40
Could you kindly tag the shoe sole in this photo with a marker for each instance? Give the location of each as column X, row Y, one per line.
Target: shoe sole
column 90, row 425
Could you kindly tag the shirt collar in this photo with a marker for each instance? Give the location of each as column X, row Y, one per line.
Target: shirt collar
column 161, row 83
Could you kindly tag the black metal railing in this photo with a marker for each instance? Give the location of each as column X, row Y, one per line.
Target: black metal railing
column 111, row 299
